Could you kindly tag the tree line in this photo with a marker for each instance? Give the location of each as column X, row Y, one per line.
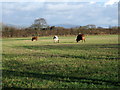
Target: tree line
column 9, row 31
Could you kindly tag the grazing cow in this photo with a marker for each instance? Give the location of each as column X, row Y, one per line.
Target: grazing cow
column 56, row 39
column 34, row 38
column 80, row 37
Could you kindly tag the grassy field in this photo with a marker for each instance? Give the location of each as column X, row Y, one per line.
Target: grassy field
column 44, row 64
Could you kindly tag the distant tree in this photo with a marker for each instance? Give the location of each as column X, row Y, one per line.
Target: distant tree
column 99, row 27
column 91, row 26
column 39, row 24
column 83, row 27
column 114, row 27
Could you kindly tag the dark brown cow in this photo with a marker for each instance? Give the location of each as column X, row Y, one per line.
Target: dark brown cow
column 34, row 38
column 80, row 37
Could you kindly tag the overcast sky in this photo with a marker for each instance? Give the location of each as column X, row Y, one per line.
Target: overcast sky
column 104, row 13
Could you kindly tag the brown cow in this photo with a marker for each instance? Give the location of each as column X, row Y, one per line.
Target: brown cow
column 34, row 38
column 80, row 37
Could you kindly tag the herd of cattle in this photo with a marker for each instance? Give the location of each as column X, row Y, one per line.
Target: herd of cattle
column 56, row 39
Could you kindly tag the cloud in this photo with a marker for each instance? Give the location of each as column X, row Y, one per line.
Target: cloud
column 22, row 0
column 52, row 0
column 9, row 8
column 0, row 12
column 59, row 13
column 63, row 6
column 92, row 2
column 111, row 2
column 29, row 7
column 49, row 0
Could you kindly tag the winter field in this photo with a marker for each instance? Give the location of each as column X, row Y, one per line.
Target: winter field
column 45, row 64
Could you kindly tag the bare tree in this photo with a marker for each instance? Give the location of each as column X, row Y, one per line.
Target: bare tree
column 39, row 24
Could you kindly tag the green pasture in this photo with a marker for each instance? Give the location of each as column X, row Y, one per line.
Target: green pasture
column 45, row 64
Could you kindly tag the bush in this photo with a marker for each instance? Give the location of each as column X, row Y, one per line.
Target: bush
column 8, row 31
